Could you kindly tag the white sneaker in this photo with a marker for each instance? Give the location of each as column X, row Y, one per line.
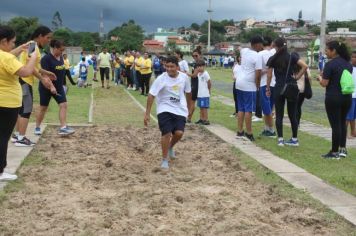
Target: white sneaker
column 256, row 119
column 7, row 176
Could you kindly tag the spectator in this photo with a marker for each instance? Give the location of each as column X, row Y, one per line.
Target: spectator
column 183, row 64
column 204, row 92
column 68, row 74
column 351, row 116
column 157, row 65
column 146, row 73
column 128, row 61
column 104, row 62
column 83, row 74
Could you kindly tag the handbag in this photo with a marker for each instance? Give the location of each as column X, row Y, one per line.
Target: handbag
column 308, row 92
column 290, row 90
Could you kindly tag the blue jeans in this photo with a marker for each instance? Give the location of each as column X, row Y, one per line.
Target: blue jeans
column 117, row 75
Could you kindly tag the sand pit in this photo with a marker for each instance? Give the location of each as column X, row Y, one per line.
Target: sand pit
column 105, row 181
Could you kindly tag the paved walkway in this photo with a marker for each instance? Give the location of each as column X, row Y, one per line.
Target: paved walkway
column 15, row 155
column 305, row 126
column 339, row 201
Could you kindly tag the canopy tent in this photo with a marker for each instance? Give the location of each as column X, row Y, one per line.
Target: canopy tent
column 216, row 51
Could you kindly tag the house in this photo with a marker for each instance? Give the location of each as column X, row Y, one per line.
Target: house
column 181, row 45
column 300, row 42
column 232, row 31
column 263, row 25
column 225, row 46
column 249, row 22
column 153, row 46
column 162, row 35
column 343, row 33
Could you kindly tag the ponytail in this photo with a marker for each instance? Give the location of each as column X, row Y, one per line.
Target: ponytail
column 340, row 48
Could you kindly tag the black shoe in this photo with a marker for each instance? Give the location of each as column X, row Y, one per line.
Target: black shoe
column 249, row 137
column 25, row 142
column 331, row 155
column 199, row 122
column 206, row 122
column 343, row 153
column 240, row 134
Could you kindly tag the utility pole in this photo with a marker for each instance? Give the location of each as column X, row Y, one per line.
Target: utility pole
column 323, row 27
column 209, row 24
column 101, row 31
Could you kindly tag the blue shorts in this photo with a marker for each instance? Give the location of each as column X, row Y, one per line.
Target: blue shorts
column 266, row 102
column 170, row 123
column 203, row 102
column 246, row 101
column 352, row 112
column 46, row 95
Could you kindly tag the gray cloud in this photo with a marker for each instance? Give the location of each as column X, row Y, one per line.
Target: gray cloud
column 83, row 15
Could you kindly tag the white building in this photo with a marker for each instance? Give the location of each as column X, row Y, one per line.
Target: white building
column 343, row 32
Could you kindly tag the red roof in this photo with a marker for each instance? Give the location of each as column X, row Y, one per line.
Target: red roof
column 153, row 43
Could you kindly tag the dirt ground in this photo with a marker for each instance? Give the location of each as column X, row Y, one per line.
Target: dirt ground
column 106, row 181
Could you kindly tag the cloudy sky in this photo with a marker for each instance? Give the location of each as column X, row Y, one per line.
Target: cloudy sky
column 83, row 15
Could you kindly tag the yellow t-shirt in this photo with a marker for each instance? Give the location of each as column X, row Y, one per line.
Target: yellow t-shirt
column 116, row 64
column 147, row 63
column 138, row 63
column 129, row 60
column 10, row 88
column 105, row 59
column 66, row 64
column 24, row 59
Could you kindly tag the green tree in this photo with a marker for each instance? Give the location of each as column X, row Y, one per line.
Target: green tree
column 195, row 26
column 24, row 27
column 246, row 35
column 57, row 21
column 87, row 42
column 314, row 29
column 65, row 35
column 171, row 46
column 130, row 36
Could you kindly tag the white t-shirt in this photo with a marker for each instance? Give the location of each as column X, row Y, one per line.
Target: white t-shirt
column 203, row 90
column 226, row 60
column 183, row 66
column 354, row 77
column 246, row 74
column 265, row 55
column 170, row 93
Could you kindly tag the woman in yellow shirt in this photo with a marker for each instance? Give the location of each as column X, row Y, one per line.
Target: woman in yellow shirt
column 68, row 75
column 10, row 90
column 146, row 72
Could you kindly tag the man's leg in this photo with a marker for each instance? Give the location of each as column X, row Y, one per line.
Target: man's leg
column 240, row 121
column 353, row 130
column 178, row 134
column 63, row 114
column 40, row 115
column 248, row 122
column 102, row 71
column 165, row 143
column 107, row 74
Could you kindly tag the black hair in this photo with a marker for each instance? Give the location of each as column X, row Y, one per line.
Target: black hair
column 83, row 58
column 354, row 52
column 162, row 58
column 55, row 43
column 172, row 59
column 197, row 50
column 281, row 58
column 200, row 62
column 7, row 33
column 341, row 49
column 267, row 41
column 256, row 40
column 179, row 53
column 41, row 30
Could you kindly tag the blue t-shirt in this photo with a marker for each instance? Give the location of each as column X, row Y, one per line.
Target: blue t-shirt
column 333, row 71
column 83, row 71
column 50, row 63
column 280, row 65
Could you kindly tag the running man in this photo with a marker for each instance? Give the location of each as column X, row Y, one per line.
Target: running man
column 171, row 89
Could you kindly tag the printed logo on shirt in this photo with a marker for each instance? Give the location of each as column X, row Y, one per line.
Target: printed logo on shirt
column 62, row 67
column 174, row 91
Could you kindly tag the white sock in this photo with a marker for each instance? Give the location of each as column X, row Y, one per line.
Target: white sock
column 280, row 139
column 64, row 127
column 16, row 133
column 20, row 137
column 295, row 139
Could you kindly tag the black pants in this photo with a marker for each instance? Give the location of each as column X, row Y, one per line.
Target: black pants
column 337, row 108
column 8, row 118
column 128, row 76
column 234, row 92
column 258, row 112
column 138, row 79
column 69, row 76
column 104, row 71
column 279, row 102
column 145, row 82
column 301, row 98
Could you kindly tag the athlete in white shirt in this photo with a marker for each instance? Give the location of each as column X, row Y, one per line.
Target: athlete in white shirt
column 204, row 89
column 170, row 89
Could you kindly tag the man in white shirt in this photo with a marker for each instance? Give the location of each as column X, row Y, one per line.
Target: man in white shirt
column 171, row 89
column 247, row 81
column 267, row 102
column 104, row 62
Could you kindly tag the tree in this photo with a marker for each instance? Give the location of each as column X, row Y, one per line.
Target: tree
column 245, row 36
column 130, row 34
column 24, row 27
column 195, row 26
column 171, row 46
column 301, row 22
column 65, row 35
column 87, row 42
column 57, row 21
column 314, row 29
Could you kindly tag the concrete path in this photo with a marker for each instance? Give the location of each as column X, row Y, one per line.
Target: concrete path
column 339, row 201
column 305, row 126
column 15, row 155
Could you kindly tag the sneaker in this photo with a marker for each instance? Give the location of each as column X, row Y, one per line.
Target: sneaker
column 189, row 121
column 240, row 135
column 13, row 138
column 249, row 137
column 25, row 142
column 280, row 142
column 343, row 153
column 66, row 131
column 256, row 119
column 7, row 176
column 291, row 142
column 206, row 122
column 270, row 134
column 38, row 131
column 199, row 122
column 165, row 164
column 171, row 153
column 95, row 80
column 331, row 155
column 233, row 115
